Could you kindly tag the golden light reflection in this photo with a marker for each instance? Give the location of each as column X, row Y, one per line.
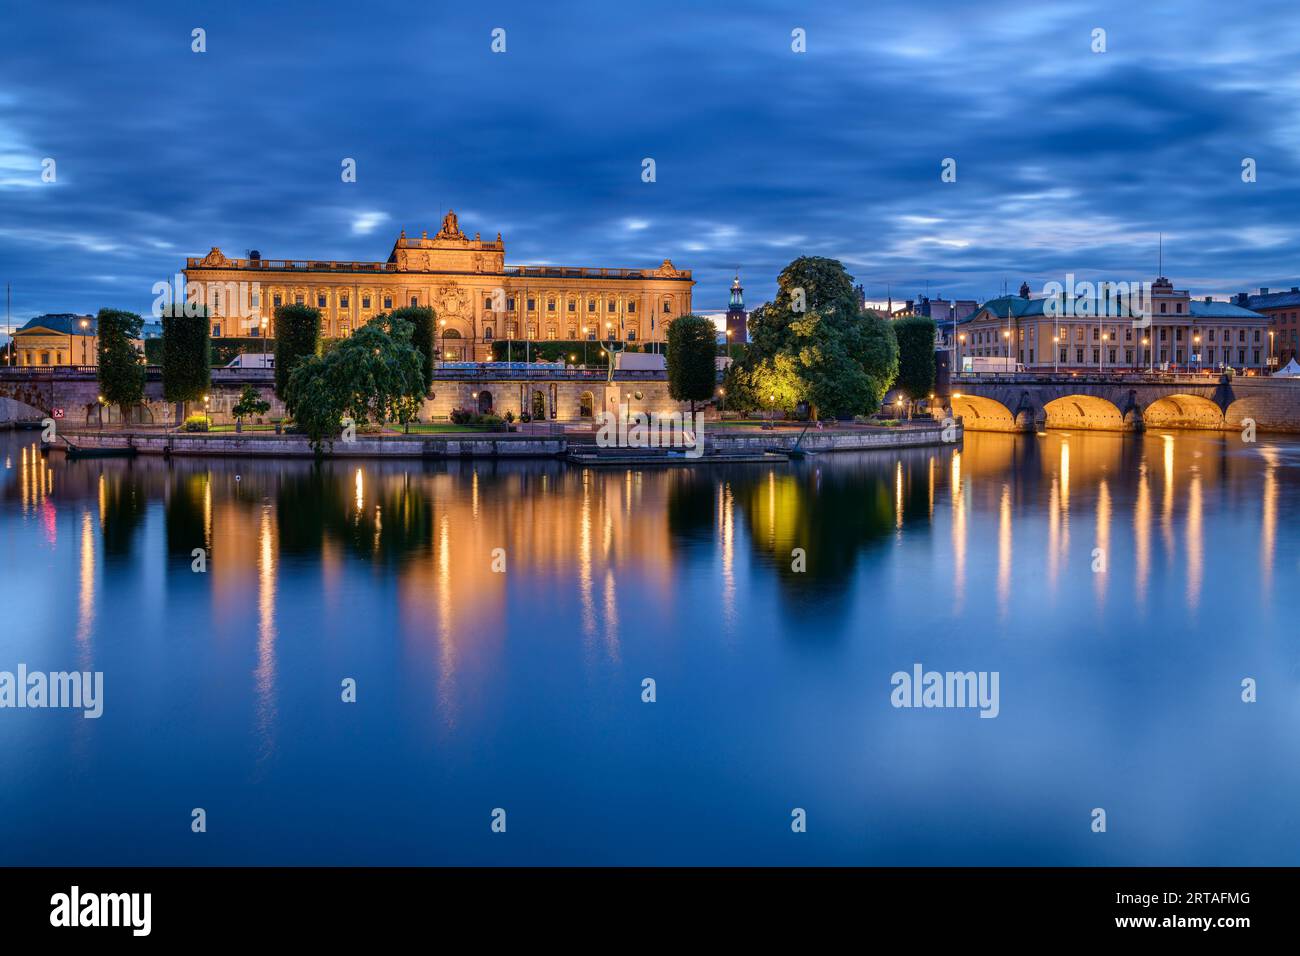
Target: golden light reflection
column 86, row 590
column 361, row 495
column 1195, row 556
column 1100, row 579
column 264, row 676
column 898, row 495
column 958, row 536
column 1054, row 534
column 1167, row 503
column 1142, row 534
column 727, row 521
column 1004, row 551
column 1268, row 520
column 446, row 638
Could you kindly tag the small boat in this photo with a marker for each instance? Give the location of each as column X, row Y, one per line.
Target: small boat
column 80, row 451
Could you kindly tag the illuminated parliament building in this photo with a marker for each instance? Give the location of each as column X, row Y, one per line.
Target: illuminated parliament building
column 477, row 297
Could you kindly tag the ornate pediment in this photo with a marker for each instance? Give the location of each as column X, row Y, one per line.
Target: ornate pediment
column 668, row 271
column 215, row 259
column 452, row 302
column 450, row 228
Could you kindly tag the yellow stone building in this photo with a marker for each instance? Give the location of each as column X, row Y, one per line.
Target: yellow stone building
column 477, row 297
column 62, row 338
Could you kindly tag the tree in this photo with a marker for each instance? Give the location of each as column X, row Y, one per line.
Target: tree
column 250, row 403
column 121, row 373
column 692, row 370
column 814, row 344
column 423, row 322
column 374, row 374
column 297, row 337
column 915, row 356
column 187, row 375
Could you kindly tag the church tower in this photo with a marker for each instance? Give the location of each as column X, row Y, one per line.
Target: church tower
column 737, row 317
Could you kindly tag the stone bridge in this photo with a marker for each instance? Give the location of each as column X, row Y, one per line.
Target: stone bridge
column 550, row 393
column 1123, row 402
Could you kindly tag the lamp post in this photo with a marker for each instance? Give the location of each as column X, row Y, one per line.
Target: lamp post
column 1056, row 353
column 1006, row 338
column 722, row 395
column 84, row 325
column 962, row 339
column 1196, row 343
column 1271, row 363
column 1150, row 358
column 1101, row 353
column 584, row 346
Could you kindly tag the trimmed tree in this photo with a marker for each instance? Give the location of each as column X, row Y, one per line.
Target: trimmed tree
column 916, row 371
column 121, row 372
column 297, row 337
column 692, row 369
column 250, row 403
column 187, row 376
column 423, row 323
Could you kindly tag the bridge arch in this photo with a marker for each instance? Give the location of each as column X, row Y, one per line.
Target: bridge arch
column 1183, row 411
column 980, row 414
column 1084, row 412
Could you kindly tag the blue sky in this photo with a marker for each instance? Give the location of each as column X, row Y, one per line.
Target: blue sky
column 1067, row 160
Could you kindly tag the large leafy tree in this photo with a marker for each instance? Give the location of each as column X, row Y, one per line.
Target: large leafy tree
column 186, row 371
column 916, row 369
column 423, row 324
column 692, row 369
column 375, row 374
column 297, row 337
column 121, row 371
column 814, row 344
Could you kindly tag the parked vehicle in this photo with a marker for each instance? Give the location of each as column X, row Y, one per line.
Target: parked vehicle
column 976, row 364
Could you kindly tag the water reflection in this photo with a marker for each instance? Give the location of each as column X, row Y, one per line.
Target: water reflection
column 476, row 679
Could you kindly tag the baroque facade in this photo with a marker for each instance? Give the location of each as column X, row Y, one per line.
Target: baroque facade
column 477, row 297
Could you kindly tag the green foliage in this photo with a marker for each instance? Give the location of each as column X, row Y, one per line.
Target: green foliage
column 153, row 351
column 814, row 344
column 186, row 374
column 916, row 369
column 692, row 369
column 423, row 325
column 250, row 403
column 376, row 374
column 197, row 423
column 121, row 373
column 297, row 338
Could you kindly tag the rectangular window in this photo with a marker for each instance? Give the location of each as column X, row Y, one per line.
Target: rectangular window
column 415, row 300
column 216, row 330
column 1078, row 356
column 487, row 333
column 320, row 301
column 343, row 301
column 510, row 304
column 1164, row 307
column 573, row 305
column 1096, row 356
column 532, row 305
column 668, row 308
column 609, row 306
column 1064, row 359
column 631, row 307
column 550, row 305
column 631, row 335
column 388, row 302
column 277, row 301
column 1256, row 362
column 591, row 305
column 365, row 302
column 298, row 300
column 487, row 305
column 1257, row 335
column 1178, row 335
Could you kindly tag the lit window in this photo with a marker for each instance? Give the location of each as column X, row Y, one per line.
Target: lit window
column 298, row 300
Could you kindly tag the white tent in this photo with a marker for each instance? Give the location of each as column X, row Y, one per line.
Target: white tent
column 1290, row 370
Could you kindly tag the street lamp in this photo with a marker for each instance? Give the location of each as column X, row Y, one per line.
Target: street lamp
column 584, row 346
column 85, row 324
column 1271, row 363
column 1146, row 341
column 1006, row 337
column 1101, row 353
column 1056, row 353
column 1196, row 343
column 722, row 394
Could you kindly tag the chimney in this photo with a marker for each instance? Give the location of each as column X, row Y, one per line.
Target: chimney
column 1263, row 290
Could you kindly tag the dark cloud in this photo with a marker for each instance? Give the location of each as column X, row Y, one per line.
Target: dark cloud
column 1067, row 160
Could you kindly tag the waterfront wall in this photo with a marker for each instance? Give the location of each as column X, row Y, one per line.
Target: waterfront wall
column 505, row 445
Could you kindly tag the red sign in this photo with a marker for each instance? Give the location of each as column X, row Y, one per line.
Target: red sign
column 58, row 413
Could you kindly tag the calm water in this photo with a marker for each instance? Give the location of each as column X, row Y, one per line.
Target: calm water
column 522, row 690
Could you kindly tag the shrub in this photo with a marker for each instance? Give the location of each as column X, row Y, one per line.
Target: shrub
column 197, row 423
column 461, row 416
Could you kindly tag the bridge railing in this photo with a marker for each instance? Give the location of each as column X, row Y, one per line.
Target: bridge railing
column 1098, row 378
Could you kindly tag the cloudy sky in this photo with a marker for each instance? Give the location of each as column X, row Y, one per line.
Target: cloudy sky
column 1067, row 160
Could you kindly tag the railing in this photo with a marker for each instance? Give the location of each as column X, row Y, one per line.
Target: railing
column 1207, row 377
